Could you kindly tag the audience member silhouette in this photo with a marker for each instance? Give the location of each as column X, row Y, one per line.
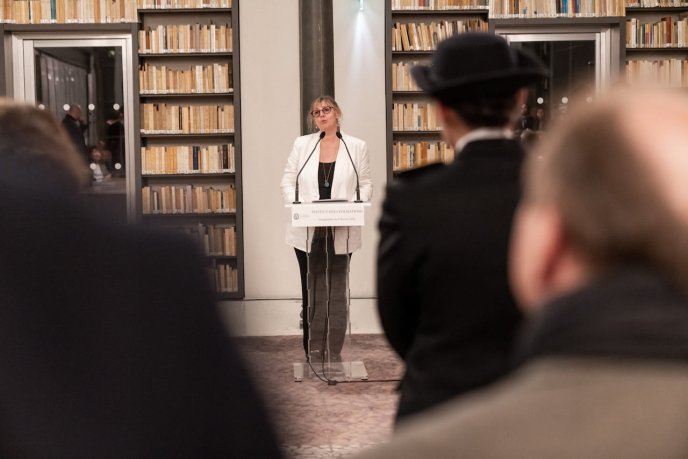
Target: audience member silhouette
column 136, row 367
column 540, row 120
column 526, row 120
column 114, row 128
column 98, row 166
column 75, row 127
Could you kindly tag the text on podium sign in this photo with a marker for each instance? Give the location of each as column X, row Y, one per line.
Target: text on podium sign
column 328, row 214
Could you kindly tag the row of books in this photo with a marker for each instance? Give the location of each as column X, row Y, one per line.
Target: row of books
column 185, row 38
column 171, row 4
column 188, row 199
column 187, row 159
column 226, row 278
column 216, row 240
column 67, row 11
column 438, row 4
column 409, row 155
column 189, row 119
column 161, row 79
column 665, row 33
column 423, row 36
column 656, row 3
column 668, row 72
column 401, row 76
column 414, row 117
column 556, row 8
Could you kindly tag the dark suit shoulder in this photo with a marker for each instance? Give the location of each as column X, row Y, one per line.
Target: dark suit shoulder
column 418, row 172
column 411, row 180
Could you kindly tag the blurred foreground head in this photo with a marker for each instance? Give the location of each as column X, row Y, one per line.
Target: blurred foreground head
column 607, row 188
column 35, row 152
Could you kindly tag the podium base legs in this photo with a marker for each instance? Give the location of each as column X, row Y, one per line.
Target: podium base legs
column 334, row 371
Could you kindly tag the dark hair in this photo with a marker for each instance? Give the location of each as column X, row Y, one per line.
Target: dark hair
column 485, row 110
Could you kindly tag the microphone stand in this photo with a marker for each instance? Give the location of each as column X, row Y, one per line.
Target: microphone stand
column 358, row 185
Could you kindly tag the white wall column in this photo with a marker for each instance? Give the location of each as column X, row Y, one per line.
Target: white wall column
column 270, row 85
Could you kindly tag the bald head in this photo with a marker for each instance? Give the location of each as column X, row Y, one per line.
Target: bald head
column 605, row 189
column 656, row 123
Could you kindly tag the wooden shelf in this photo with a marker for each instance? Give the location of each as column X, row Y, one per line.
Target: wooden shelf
column 144, row 95
column 418, row 133
column 578, row 20
column 657, row 50
column 185, row 54
column 71, row 27
column 411, row 94
column 193, row 176
column 427, row 12
column 183, row 10
column 655, row 9
column 412, row 53
column 187, row 136
column 192, row 216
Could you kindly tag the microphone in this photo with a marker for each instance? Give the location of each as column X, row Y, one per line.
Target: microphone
column 358, row 185
column 296, row 192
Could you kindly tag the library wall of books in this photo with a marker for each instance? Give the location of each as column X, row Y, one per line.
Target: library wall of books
column 653, row 40
column 187, row 98
column 416, row 27
column 190, row 157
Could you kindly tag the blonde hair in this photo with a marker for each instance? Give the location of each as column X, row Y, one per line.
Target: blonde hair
column 36, row 137
column 326, row 100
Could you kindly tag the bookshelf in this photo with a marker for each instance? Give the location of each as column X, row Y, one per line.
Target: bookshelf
column 67, row 11
column 657, row 42
column 190, row 135
column 62, row 16
column 414, row 28
column 567, row 9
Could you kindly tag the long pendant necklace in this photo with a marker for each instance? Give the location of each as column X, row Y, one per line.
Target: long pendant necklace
column 326, row 184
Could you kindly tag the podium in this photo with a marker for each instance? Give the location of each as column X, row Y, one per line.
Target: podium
column 327, row 224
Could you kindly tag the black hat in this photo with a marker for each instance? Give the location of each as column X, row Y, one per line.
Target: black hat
column 477, row 63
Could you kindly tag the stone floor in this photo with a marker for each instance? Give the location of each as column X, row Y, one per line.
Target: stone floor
column 317, row 420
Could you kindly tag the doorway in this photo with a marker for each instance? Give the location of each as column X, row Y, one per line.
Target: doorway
column 86, row 81
column 582, row 61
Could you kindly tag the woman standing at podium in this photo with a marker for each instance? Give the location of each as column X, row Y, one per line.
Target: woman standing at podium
column 325, row 170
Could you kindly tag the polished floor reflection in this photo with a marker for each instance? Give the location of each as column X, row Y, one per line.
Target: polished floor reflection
column 315, row 420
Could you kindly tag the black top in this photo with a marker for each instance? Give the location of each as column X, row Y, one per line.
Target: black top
column 325, row 175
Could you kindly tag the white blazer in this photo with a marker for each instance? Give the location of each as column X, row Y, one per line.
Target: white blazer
column 346, row 239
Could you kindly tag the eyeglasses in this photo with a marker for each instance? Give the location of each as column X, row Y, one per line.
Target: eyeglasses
column 325, row 111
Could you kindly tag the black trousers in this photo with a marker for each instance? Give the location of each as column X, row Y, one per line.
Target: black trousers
column 328, row 295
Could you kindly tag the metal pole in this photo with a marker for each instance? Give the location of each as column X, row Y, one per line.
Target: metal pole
column 317, row 53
